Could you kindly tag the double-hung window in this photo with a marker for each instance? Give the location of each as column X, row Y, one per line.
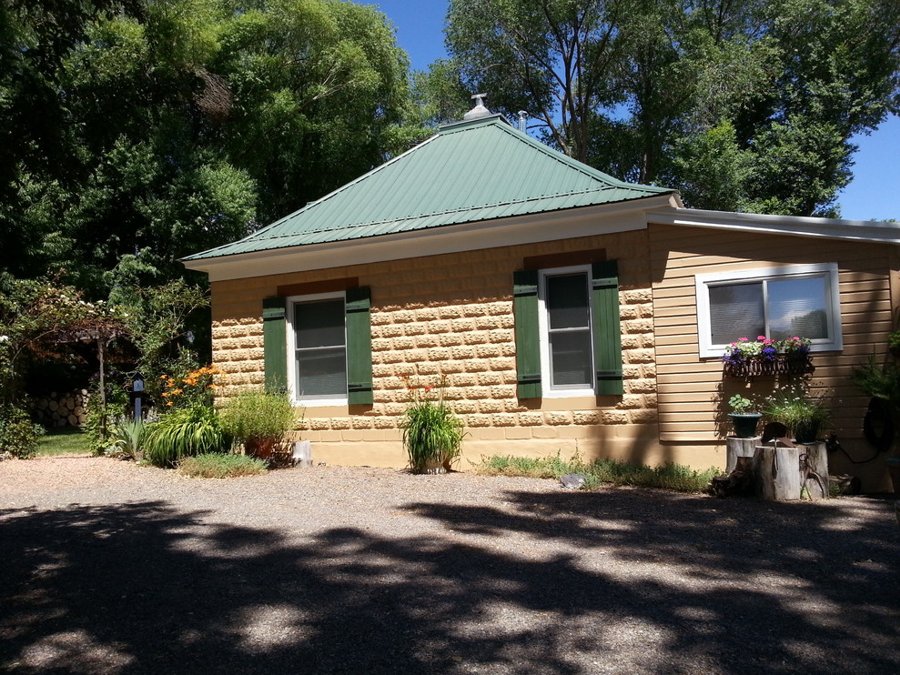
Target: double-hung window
column 777, row 302
column 317, row 349
column 567, row 361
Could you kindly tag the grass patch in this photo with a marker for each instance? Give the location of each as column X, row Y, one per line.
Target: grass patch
column 218, row 465
column 63, row 442
column 600, row 472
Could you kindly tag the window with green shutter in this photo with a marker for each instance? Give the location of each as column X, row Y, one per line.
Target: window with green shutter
column 328, row 348
column 568, row 340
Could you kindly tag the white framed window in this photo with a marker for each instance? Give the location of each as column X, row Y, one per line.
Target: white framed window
column 564, row 322
column 778, row 302
column 317, row 349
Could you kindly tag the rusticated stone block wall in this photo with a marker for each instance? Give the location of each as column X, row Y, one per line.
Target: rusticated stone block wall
column 450, row 316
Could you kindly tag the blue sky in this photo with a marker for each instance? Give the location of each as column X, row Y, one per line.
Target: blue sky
column 874, row 192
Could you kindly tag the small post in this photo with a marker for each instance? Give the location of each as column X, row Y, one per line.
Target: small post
column 100, row 352
column 137, row 389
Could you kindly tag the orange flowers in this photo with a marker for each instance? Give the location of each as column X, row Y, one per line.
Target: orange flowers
column 194, row 387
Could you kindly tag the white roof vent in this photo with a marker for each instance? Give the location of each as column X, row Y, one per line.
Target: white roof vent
column 479, row 110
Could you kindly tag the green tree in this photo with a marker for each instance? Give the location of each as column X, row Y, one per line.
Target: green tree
column 173, row 126
column 761, row 98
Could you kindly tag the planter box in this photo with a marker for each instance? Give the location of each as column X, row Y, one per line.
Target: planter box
column 783, row 364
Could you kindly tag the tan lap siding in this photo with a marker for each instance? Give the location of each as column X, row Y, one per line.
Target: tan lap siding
column 689, row 387
column 451, row 315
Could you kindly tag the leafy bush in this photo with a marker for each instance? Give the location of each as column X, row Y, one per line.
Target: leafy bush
column 258, row 419
column 219, row 465
column 601, row 471
column 432, row 434
column 99, row 421
column 18, row 434
column 183, row 433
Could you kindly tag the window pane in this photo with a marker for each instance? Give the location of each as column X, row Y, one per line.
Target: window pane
column 736, row 311
column 798, row 307
column 320, row 324
column 570, row 358
column 567, row 301
column 322, row 372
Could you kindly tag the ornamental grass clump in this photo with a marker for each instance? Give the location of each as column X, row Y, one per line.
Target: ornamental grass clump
column 184, row 432
column 803, row 416
column 259, row 421
column 432, row 433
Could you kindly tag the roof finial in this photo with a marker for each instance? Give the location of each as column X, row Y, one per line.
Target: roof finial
column 479, row 110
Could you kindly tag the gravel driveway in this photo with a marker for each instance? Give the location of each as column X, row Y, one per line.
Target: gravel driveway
column 109, row 567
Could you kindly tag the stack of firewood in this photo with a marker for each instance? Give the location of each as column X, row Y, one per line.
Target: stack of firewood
column 61, row 410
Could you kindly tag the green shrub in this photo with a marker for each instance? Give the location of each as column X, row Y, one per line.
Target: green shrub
column 99, row 421
column 601, row 471
column 258, row 419
column 219, row 465
column 183, row 433
column 432, row 434
column 18, row 434
column 127, row 437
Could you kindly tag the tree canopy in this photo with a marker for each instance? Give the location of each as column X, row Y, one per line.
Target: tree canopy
column 740, row 105
column 157, row 129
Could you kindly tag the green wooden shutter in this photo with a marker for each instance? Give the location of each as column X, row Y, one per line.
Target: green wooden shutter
column 605, row 327
column 528, row 344
column 275, row 343
column 359, row 345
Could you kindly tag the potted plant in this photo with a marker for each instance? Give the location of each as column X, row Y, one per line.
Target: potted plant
column 742, row 419
column 803, row 416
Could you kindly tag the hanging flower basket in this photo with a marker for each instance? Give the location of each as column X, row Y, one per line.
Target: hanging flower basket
column 764, row 356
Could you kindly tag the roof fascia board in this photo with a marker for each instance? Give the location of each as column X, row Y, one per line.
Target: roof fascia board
column 796, row 226
column 566, row 224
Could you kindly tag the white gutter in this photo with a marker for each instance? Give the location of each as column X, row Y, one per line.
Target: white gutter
column 797, row 226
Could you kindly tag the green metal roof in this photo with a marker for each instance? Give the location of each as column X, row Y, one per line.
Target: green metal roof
column 477, row 170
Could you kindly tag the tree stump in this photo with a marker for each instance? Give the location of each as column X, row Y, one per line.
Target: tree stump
column 738, row 447
column 814, row 469
column 777, row 472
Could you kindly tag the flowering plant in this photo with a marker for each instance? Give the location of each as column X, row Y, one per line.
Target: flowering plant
column 743, row 349
column 195, row 387
column 432, row 433
column 795, row 345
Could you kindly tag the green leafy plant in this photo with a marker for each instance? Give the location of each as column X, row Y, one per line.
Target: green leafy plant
column 740, row 405
column 221, row 465
column 99, row 420
column 879, row 380
column 19, row 436
column 184, row 432
column 258, row 420
column 432, row 433
column 127, row 436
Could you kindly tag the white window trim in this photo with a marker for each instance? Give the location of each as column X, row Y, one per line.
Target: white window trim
column 543, row 327
column 296, row 399
column 703, row 281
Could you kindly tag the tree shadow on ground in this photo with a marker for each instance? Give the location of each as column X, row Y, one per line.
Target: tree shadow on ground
column 146, row 587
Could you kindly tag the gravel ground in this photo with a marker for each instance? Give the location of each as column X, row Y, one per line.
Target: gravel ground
column 110, row 567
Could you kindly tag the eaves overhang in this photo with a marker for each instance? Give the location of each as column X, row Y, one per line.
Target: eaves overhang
column 547, row 226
